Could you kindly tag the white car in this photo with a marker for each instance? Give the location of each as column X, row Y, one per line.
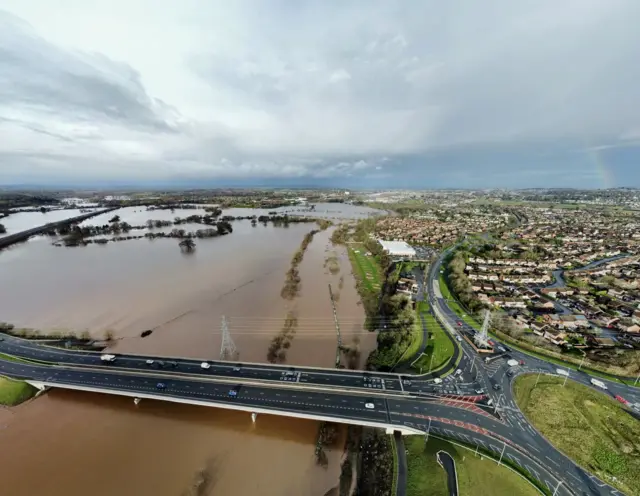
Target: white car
column 370, row 406
column 149, row 362
column 437, row 380
column 205, row 365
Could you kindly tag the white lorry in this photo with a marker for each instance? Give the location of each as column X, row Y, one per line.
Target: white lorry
column 598, row 383
column 108, row 358
column 512, row 363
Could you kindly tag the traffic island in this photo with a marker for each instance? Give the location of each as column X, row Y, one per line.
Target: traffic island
column 592, row 428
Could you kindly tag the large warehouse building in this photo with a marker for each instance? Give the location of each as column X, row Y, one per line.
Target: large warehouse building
column 397, row 249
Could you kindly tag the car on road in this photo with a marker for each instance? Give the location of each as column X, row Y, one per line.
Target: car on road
column 459, row 324
column 437, row 380
column 479, row 391
column 510, row 373
column 370, row 406
column 161, row 386
column 237, row 368
column 149, row 362
column 205, row 365
column 160, row 364
column 497, row 387
column 233, row 393
column 458, row 372
column 172, row 364
column 459, row 339
column 521, row 362
column 108, row 358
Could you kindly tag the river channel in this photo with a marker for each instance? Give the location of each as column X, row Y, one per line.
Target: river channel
column 68, row 443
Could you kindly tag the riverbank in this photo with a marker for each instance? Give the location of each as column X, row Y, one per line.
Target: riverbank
column 14, row 392
column 589, row 427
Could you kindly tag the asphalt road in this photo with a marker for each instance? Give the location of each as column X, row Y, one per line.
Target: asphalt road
column 449, row 465
column 417, row 413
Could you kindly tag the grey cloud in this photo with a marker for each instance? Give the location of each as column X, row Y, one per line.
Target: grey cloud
column 40, row 76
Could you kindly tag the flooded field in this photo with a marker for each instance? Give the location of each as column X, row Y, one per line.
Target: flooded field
column 93, row 444
column 22, row 221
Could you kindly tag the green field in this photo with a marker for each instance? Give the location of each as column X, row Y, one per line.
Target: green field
column 366, row 267
column 439, row 345
column 14, row 392
column 590, row 427
column 476, row 475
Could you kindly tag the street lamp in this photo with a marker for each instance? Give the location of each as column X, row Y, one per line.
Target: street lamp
column 582, row 361
column 504, row 447
column 537, row 379
column 426, row 439
column 557, row 487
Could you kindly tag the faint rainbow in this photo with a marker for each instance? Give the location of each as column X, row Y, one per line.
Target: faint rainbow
column 603, row 171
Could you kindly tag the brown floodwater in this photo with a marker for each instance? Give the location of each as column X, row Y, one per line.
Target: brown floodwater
column 69, row 443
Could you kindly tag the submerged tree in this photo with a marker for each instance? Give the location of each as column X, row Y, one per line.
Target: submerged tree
column 187, row 245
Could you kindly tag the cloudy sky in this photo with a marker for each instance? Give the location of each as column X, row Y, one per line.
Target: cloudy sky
column 374, row 93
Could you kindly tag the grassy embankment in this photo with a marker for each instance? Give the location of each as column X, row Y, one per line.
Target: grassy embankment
column 590, row 427
column 476, row 475
column 439, row 345
column 14, row 392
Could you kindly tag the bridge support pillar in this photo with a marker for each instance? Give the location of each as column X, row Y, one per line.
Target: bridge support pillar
column 254, row 416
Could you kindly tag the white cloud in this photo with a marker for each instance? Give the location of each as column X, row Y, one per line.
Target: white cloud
column 275, row 88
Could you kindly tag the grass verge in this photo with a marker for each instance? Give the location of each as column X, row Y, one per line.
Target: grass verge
column 476, row 475
column 439, row 345
column 394, row 483
column 589, row 427
column 14, row 392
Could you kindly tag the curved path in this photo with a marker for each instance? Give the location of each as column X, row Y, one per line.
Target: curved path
column 449, row 465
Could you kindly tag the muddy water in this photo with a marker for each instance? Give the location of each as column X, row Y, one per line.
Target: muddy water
column 92, row 444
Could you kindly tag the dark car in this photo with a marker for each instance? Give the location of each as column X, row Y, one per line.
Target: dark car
column 497, row 387
column 161, row 385
column 510, row 373
column 172, row 364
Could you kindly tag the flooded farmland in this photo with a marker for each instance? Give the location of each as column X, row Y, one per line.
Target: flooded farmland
column 100, row 445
